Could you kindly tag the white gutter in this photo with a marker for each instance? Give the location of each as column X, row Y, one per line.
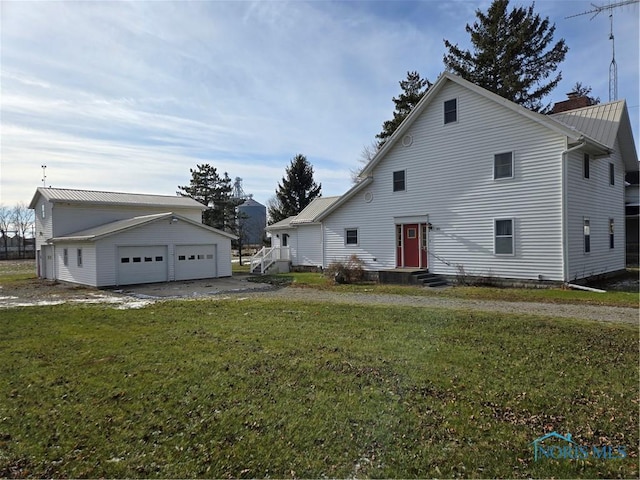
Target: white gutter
column 565, row 215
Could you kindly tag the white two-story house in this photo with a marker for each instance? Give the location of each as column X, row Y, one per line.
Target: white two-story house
column 473, row 184
column 107, row 238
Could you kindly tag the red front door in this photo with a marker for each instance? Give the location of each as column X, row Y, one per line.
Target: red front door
column 411, row 245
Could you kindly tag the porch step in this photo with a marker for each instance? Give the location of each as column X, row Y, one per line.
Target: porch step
column 427, row 279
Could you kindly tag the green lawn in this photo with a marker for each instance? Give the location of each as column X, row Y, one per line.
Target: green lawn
column 257, row 388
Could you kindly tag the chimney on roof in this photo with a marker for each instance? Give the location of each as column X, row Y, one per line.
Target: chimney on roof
column 575, row 101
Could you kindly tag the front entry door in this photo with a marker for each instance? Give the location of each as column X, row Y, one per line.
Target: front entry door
column 412, row 245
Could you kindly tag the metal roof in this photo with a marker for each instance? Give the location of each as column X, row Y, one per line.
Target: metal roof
column 599, row 122
column 111, row 228
column 317, row 206
column 113, row 198
column 282, row 224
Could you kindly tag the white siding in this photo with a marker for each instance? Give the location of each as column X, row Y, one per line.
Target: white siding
column 449, row 178
column 71, row 218
column 309, row 245
column 166, row 233
column 292, row 243
column 85, row 274
column 43, row 226
column 594, row 198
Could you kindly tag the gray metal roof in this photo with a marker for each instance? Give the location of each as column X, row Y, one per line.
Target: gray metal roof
column 93, row 197
column 599, row 122
column 118, row 226
column 605, row 123
column 110, row 228
column 314, row 209
column 282, row 224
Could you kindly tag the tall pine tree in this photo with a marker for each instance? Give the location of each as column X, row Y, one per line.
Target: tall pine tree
column 513, row 54
column 296, row 190
column 213, row 191
column 413, row 89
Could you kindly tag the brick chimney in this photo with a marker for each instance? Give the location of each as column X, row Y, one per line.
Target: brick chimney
column 574, row 101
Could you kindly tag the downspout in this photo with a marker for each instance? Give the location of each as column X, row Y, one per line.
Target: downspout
column 565, row 214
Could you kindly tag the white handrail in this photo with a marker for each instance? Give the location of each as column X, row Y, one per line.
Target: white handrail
column 268, row 256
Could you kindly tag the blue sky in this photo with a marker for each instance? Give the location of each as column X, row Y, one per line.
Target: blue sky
column 128, row 96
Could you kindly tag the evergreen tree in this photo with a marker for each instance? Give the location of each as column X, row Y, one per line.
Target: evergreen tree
column 513, row 54
column 213, row 191
column 296, row 190
column 413, row 89
column 585, row 91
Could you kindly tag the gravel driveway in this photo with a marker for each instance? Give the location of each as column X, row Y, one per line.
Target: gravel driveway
column 589, row 312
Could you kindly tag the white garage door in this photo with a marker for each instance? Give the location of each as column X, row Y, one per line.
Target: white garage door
column 195, row 261
column 146, row 264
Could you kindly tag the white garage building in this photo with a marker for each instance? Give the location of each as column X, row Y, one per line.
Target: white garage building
column 107, row 238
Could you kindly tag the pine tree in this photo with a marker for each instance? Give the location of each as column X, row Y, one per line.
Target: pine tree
column 513, row 54
column 213, row 191
column 413, row 89
column 296, row 190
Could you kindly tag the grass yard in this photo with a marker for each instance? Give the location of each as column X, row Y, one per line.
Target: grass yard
column 257, row 388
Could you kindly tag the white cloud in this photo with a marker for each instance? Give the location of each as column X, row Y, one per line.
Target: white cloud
column 130, row 95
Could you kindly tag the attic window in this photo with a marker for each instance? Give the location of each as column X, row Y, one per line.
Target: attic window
column 450, row 111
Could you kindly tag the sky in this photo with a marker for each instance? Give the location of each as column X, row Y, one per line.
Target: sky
column 129, row 96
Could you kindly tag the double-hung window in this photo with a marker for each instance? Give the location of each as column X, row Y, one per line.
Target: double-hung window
column 451, row 111
column 351, row 236
column 504, row 236
column 399, row 181
column 503, row 165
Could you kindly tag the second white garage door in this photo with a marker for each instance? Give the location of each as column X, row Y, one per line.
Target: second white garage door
column 195, row 261
column 146, row 264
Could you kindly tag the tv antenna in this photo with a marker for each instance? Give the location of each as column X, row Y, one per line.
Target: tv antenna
column 613, row 66
column 44, row 175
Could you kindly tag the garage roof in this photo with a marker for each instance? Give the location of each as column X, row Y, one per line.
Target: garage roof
column 93, row 197
column 101, row 231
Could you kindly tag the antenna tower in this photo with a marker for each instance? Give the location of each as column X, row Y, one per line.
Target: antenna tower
column 613, row 66
column 44, row 175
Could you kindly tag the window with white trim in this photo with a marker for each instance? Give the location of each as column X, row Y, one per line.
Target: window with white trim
column 503, row 165
column 351, row 236
column 503, row 230
column 451, row 111
column 399, row 183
